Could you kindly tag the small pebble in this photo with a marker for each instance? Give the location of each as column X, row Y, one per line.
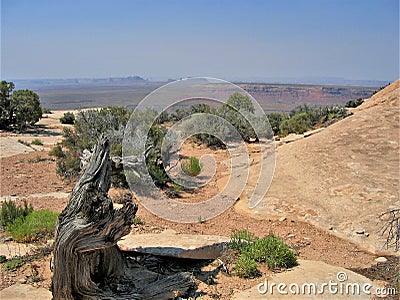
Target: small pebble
column 291, row 235
column 381, row 259
column 282, row 219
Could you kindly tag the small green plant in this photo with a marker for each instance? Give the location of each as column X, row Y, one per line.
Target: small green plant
column 246, row 267
column 241, row 239
column 35, row 225
column 270, row 250
column 46, row 111
column 177, row 187
column 37, row 159
column 137, row 221
column 23, row 142
column 3, row 259
column 37, row 142
column 13, row 264
column 192, row 166
column 10, row 212
column 68, row 118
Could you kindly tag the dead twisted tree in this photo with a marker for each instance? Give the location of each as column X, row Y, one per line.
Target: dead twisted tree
column 87, row 263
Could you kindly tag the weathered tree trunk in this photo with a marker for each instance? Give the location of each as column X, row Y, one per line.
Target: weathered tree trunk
column 87, row 263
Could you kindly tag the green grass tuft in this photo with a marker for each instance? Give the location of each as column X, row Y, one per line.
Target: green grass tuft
column 246, row 267
column 13, row 264
column 192, row 166
column 36, row 142
column 270, row 250
column 137, row 221
column 23, row 142
column 36, row 225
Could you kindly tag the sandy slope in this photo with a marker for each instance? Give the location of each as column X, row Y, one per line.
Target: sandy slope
column 344, row 176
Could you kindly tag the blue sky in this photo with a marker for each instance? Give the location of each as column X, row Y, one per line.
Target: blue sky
column 354, row 39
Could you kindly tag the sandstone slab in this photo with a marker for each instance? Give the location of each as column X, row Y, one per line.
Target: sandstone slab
column 172, row 244
column 25, row 291
column 12, row 249
column 307, row 274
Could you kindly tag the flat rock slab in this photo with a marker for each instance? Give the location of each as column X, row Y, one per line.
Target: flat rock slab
column 172, row 244
column 316, row 273
column 25, row 291
column 10, row 147
column 12, row 249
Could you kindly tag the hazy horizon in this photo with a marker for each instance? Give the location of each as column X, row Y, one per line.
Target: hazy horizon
column 243, row 41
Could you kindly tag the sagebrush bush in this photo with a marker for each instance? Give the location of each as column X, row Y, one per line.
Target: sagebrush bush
column 37, row 224
column 57, row 151
column 67, row 118
column 10, row 212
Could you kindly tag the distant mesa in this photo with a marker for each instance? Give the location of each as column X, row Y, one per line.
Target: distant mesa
column 134, row 78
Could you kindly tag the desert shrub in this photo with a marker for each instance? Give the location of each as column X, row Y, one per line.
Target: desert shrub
column 67, row 118
column 137, row 221
column 299, row 123
column 275, row 120
column 23, row 142
column 68, row 165
column 179, row 114
column 270, row 250
column 163, row 118
column 200, row 108
column 37, row 142
column 304, row 118
column 354, row 103
column 10, row 212
column 154, row 161
column 241, row 239
column 246, row 267
column 88, row 127
column 57, row 151
column 40, row 223
column 12, row 264
column 191, row 166
column 46, row 111
column 237, row 110
column 36, row 159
